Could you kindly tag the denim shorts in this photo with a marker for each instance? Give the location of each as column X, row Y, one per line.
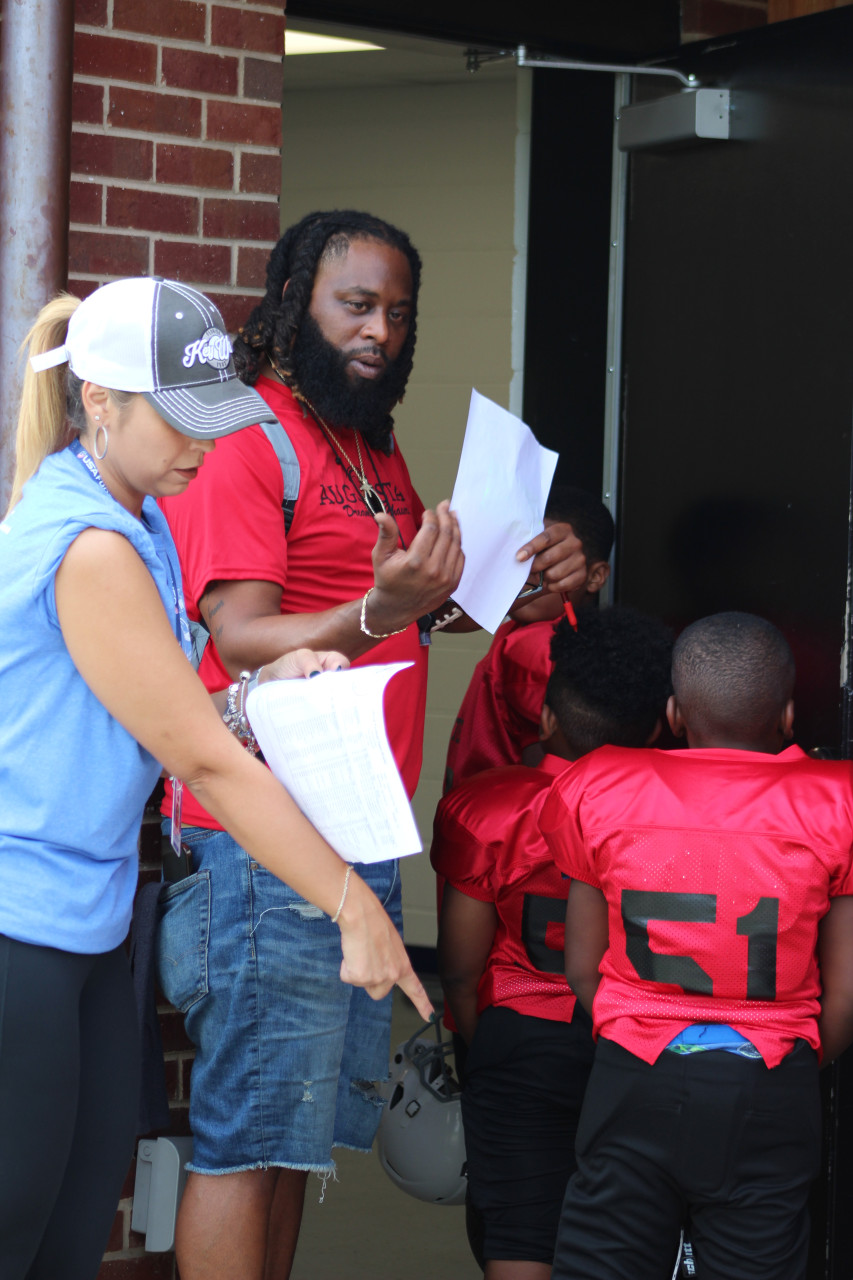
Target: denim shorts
column 286, row 1053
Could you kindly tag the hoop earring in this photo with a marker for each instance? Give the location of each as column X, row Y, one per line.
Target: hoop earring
column 100, row 427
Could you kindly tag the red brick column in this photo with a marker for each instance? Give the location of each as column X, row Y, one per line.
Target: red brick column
column 175, row 149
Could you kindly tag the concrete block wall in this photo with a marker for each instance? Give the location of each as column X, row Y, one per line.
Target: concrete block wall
column 176, row 142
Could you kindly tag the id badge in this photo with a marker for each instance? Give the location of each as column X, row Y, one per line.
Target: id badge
column 177, row 804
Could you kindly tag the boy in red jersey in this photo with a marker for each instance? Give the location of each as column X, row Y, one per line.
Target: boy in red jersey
column 710, row 910
column 501, row 939
column 499, row 715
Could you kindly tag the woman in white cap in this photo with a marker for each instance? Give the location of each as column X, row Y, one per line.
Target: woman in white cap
column 123, row 396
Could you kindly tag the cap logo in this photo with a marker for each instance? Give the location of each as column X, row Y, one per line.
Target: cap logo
column 211, row 348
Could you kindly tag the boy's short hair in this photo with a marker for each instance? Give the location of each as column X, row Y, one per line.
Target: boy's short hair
column 611, row 678
column 588, row 516
column 732, row 673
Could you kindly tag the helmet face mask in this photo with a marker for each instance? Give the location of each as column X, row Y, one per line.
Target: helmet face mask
column 421, row 1141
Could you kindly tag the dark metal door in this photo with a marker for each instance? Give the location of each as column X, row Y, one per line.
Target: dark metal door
column 738, row 399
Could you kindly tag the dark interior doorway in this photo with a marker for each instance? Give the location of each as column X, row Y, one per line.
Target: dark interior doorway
column 738, row 399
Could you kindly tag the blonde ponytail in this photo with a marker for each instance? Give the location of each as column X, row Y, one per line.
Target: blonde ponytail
column 43, row 425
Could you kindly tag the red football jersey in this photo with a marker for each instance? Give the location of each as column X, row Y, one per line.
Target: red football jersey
column 717, row 866
column 229, row 526
column 487, row 844
column 500, row 712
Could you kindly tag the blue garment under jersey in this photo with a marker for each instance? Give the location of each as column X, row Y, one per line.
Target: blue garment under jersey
column 73, row 782
column 703, row 1036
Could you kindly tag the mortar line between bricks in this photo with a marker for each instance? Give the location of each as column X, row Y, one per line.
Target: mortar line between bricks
column 191, row 46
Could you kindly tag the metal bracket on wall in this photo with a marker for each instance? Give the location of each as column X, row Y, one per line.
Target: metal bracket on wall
column 679, row 117
column 563, row 64
column 693, row 114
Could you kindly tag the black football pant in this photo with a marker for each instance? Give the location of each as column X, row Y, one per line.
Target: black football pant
column 713, row 1136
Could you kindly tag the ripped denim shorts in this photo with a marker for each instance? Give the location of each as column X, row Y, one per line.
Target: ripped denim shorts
column 286, row 1053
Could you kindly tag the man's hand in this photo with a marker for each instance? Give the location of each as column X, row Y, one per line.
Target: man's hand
column 557, row 553
column 412, row 582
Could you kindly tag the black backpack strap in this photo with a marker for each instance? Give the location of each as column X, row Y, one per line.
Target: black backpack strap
column 289, row 463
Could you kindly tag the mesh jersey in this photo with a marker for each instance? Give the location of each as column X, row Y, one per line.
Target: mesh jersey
column 500, row 712
column 229, row 526
column 717, row 866
column 487, row 844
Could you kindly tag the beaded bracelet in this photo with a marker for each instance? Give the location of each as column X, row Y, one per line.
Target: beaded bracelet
column 235, row 716
column 336, row 917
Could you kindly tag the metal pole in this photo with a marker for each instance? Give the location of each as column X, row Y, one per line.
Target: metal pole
column 35, row 131
column 616, row 286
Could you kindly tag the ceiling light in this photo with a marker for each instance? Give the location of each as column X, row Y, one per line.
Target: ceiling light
column 304, row 42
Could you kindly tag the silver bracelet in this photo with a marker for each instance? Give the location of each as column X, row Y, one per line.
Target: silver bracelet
column 235, row 717
column 336, row 917
column 373, row 635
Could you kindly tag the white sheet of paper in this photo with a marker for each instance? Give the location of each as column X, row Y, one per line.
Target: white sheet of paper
column 500, row 493
column 324, row 738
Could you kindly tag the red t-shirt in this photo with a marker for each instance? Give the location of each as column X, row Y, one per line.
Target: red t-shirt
column 500, row 712
column 487, row 844
column 717, row 866
column 229, row 525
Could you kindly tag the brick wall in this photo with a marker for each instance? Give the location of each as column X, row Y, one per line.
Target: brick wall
column 175, row 148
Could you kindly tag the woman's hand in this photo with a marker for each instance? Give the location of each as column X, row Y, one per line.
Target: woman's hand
column 374, row 955
column 302, row 662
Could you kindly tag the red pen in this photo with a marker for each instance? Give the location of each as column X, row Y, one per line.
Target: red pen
column 570, row 610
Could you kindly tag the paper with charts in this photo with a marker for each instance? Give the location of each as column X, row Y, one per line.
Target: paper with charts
column 500, row 493
column 324, row 738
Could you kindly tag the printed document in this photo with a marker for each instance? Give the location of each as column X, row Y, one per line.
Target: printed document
column 324, row 738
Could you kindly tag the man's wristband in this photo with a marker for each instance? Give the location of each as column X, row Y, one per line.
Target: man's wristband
column 372, row 634
column 440, row 618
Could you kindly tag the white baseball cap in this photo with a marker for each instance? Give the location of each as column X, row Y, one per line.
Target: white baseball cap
column 166, row 341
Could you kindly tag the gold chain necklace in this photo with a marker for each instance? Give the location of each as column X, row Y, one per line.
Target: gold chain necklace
column 373, row 500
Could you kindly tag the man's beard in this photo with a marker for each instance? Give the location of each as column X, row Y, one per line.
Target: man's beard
column 363, row 404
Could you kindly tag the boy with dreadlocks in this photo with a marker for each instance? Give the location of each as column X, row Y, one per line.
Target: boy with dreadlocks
column 710, row 920
column 501, row 939
column 354, row 557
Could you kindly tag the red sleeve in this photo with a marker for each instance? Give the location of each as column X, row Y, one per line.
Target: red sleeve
column 465, row 861
column 228, row 525
column 560, row 824
column 526, row 667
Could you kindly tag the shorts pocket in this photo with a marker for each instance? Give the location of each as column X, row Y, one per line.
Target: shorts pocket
column 183, row 938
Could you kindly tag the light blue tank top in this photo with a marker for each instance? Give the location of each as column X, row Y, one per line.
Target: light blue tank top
column 73, row 782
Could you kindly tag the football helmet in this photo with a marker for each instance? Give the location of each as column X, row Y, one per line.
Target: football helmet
column 421, row 1142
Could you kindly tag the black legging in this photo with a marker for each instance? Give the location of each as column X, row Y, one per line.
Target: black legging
column 69, row 1089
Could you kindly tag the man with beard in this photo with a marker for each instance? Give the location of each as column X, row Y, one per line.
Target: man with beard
column 286, row 1052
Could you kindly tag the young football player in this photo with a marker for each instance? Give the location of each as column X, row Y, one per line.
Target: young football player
column 501, row 939
column 499, row 715
column 710, row 921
